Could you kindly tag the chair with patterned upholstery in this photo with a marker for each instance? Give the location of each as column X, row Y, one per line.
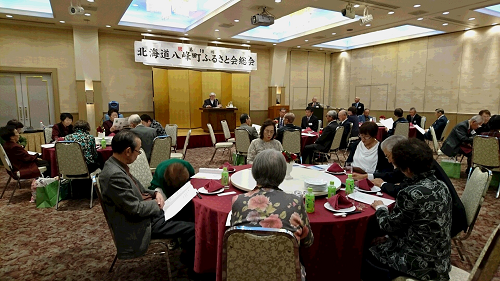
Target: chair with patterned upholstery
column 422, row 122
column 172, row 130
column 72, row 166
column 349, row 139
column 48, row 134
column 320, row 124
column 160, row 151
column 184, row 150
column 335, row 146
column 270, row 254
column 472, row 199
column 435, row 144
column 242, row 142
column 227, row 132
column 441, row 140
column 219, row 145
column 485, row 153
column 163, row 242
column 16, row 175
column 140, row 170
column 485, row 267
column 402, row 129
column 291, row 141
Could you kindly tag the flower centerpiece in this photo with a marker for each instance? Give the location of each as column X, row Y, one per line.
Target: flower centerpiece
column 100, row 131
column 289, row 158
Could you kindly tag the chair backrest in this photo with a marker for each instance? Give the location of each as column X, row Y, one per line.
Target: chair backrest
column 487, row 263
column 445, row 129
column 212, row 135
column 402, row 129
column 140, row 170
column 485, row 151
column 225, row 129
column 161, row 150
column 320, row 124
column 350, row 131
column 171, row 130
column 104, row 210
column 242, row 140
column 70, row 159
column 275, row 252
column 422, row 122
column 186, row 143
column 291, row 141
column 337, row 139
column 473, row 195
column 5, row 160
column 48, row 134
column 434, row 139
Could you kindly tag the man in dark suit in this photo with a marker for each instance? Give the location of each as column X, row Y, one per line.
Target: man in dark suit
column 246, row 123
column 438, row 125
column 281, row 119
column 324, row 142
column 135, row 213
column 212, row 102
column 309, row 120
column 146, row 134
column 289, row 126
column 347, row 128
column 413, row 117
column 314, row 103
column 354, row 119
column 360, row 108
column 398, row 113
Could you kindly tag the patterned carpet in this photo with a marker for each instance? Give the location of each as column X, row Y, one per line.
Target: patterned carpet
column 74, row 243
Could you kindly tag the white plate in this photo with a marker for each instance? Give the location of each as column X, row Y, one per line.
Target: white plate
column 346, row 210
column 375, row 189
column 202, row 190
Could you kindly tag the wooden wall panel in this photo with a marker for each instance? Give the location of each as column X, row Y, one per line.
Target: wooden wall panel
column 241, row 93
column 226, row 89
column 195, row 98
column 178, row 87
column 161, row 95
column 211, row 82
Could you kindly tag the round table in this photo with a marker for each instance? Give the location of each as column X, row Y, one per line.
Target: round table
column 49, row 154
column 305, row 140
column 337, row 250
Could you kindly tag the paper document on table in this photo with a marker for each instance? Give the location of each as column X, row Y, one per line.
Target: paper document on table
column 309, row 135
column 422, row 131
column 49, row 145
column 368, row 199
column 32, row 153
column 177, row 201
column 119, row 123
column 298, row 165
column 208, row 173
column 387, row 123
column 317, row 167
column 228, row 220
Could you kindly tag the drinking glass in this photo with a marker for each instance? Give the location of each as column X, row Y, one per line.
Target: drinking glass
column 348, row 167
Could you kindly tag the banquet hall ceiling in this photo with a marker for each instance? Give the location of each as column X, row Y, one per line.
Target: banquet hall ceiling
column 218, row 20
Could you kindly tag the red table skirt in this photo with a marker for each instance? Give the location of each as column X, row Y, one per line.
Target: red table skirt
column 338, row 242
column 306, row 140
column 49, row 154
column 382, row 133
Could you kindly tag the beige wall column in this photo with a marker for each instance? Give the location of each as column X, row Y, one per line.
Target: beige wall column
column 277, row 66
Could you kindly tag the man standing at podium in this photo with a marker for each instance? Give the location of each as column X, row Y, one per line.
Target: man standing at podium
column 314, row 103
column 212, row 102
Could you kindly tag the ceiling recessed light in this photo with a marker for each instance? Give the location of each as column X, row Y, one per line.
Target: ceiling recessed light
column 298, row 46
column 472, row 18
column 274, row 44
column 445, row 23
column 356, row 6
column 306, row 40
column 467, row 28
column 149, row 30
column 495, row 23
column 320, row 49
column 236, row 20
column 91, row 1
column 420, row 18
column 368, row 25
column 87, row 14
column 185, row 34
column 107, row 25
column 391, row 12
column 445, row 13
column 248, row 41
column 416, row 5
column 61, row 21
column 216, row 30
column 277, row 1
column 334, row 33
column 9, row 16
column 135, row 5
column 218, row 38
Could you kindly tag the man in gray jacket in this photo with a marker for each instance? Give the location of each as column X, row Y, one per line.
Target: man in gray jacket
column 146, row 134
column 135, row 213
column 246, row 123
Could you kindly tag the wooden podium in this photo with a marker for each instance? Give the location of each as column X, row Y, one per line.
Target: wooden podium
column 274, row 111
column 215, row 115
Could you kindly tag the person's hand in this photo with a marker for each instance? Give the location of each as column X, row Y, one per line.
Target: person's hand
column 426, row 130
column 379, row 240
column 358, row 177
column 160, row 200
column 208, row 106
column 378, row 182
column 386, row 129
column 377, row 203
column 38, row 158
column 219, row 106
column 112, row 129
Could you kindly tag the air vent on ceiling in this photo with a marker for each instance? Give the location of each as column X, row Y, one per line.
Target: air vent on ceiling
column 418, row 13
column 26, row 21
column 376, row 4
column 319, row 37
column 445, row 19
column 226, row 25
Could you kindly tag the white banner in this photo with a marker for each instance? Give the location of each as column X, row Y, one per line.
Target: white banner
column 151, row 52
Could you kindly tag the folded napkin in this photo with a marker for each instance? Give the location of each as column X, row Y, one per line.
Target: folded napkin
column 230, row 168
column 213, row 185
column 365, row 184
column 335, row 168
column 111, row 135
column 60, row 139
column 339, row 201
column 308, row 130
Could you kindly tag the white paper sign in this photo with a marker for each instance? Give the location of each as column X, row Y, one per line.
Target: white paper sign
column 161, row 53
column 387, row 123
column 422, row 131
column 119, row 123
column 177, row 201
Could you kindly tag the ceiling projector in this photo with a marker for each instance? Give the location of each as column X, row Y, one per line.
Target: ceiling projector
column 349, row 11
column 366, row 18
column 263, row 19
column 76, row 10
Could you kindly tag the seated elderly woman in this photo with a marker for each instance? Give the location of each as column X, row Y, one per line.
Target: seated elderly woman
column 19, row 126
column 418, row 227
column 108, row 124
column 87, row 141
column 368, row 155
column 252, row 208
column 265, row 141
column 63, row 128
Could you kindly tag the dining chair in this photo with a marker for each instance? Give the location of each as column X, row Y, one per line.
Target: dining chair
column 140, row 169
column 485, row 267
column 219, row 145
column 16, row 175
column 47, row 132
column 172, row 130
column 160, row 152
column 182, row 155
column 227, row 132
column 444, row 131
column 402, row 129
column 291, row 141
column 270, row 254
column 242, row 138
column 422, row 122
column 72, row 166
column 163, row 242
column 334, row 148
column 485, row 153
column 320, row 124
column 348, row 140
column 435, row 144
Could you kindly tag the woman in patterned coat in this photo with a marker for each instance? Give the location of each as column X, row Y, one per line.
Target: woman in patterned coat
column 87, row 141
column 418, row 241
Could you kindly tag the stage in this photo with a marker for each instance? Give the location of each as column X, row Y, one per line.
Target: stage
column 198, row 138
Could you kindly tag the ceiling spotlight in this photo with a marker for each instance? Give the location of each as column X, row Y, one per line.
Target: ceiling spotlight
column 391, row 12
column 298, row 46
column 91, row 1
column 320, row 49
column 368, row 25
column 149, row 30
column 274, row 44
column 107, row 25
column 494, row 23
column 306, row 40
column 218, row 38
column 135, row 5
column 216, row 30
column 467, row 28
column 445, row 23
column 9, row 16
column 366, row 18
column 445, row 13
column 236, row 20
column 356, row 6
column 185, row 34
column 277, row 1
column 349, row 11
column 87, row 14
column 416, row 5
column 248, row 41
column 472, row 18
column 61, row 21
column 334, row 33
column 420, row 18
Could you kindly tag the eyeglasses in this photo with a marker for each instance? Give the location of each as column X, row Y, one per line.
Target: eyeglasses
column 269, row 131
column 138, row 151
column 366, row 138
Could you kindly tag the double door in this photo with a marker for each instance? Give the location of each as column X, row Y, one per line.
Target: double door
column 27, row 98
